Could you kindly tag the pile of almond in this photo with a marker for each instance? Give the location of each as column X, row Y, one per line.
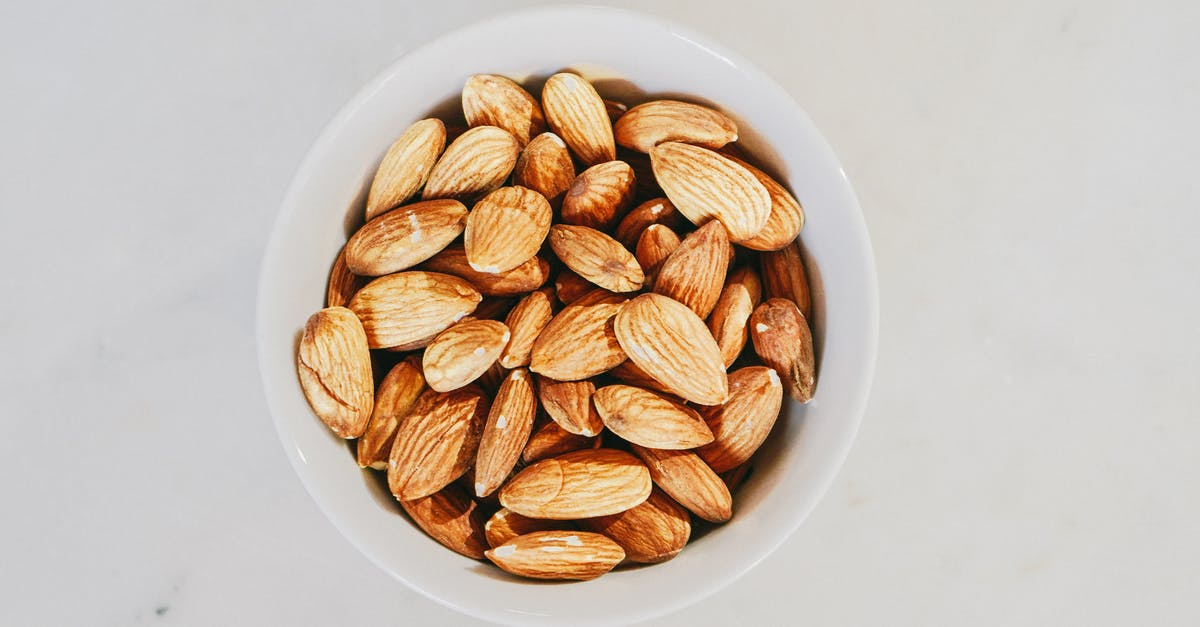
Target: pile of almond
column 560, row 295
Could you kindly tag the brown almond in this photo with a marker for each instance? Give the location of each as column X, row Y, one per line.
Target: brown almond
column 505, row 525
column 334, row 366
column 734, row 479
column 526, row 322
column 576, row 113
column 523, row 279
column 580, row 484
column 408, row 309
column 473, row 165
column 783, row 276
column 342, row 282
column 648, row 419
column 460, row 354
column 579, row 342
column 492, row 100
column 599, row 196
column 545, row 166
column 406, row 166
column 671, row 344
column 729, row 318
column 404, row 237
column 452, row 518
column 653, row 248
column 506, row 229
column 490, row 382
column 629, row 373
column 784, row 342
column 569, row 287
column 786, row 219
column 694, row 274
column 653, row 211
column 651, row 123
column 436, row 443
column 493, row 308
column 578, row 555
column 596, row 257
column 650, row 533
column 743, row 423
column 550, row 440
column 704, row 185
column 688, row 480
column 506, row 433
column 614, row 108
column 569, row 403
column 397, row 394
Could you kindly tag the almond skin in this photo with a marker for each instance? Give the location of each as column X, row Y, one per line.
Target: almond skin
column 650, row 533
column 576, row 113
column 783, row 276
column 782, row 339
column 397, row 394
column 786, row 219
column 404, row 237
column 334, row 366
column 580, row 484
column 569, row 287
column 550, row 440
column 600, row 195
column 436, row 443
column 615, row 109
column 578, row 555
column 653, row 211
column 408, row 309
column 523, row 279
column 569, row 403
column 545, row 166
column 629, row 373
column 653, row 248
column 651, row 123
column 688, row 480
column 473, row 165
column 406, row 166
column 460, row 354
column 505, row 525
column 579, row 342
column 506, row 432
column 743, row 423
column 648, row 419
column 526, row 322
column 704, row 185
column 506, row 229
column 729, row 318
column 342, row 282
column 492, row 100
column 694, row 274
column 452, row 518
column 671, row 344
column 597, row 257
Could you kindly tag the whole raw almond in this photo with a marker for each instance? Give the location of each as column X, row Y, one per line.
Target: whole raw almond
column 569, row 287
column 492, row 100
column 505, row 525
column 784, row 342
column 579, row 342
column 643, row 417
column 550, row 440
column 729, row 318
column 473, row 165
column 783, row 276
column 397, row 393
column 577, row 114
column 742, row 424
column 652, row 532
column 786, row 219
column 653, row 211
column 579, row 555
column 408, row 309
column 599, row 196
column 704, row 185
column 342, row 282
column 651, row 123
column 452, row 518
column 545, row 166
column 522, row 279
column 406, row 166
column 436, row 443
column 506, row 433
column 526, row 322
column 580, row 484
column 694, row 274
column 404, row 237
column 569, row 403
column 653, row 248
column 334, row 365
column 596, row 257
column 506, row 229
column 688, row 480
column 463, row 352
column 671, row 344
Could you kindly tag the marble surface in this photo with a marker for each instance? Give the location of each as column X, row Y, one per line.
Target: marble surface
column 1029, row 174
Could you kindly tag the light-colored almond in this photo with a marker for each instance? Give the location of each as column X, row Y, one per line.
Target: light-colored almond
column 396, row 395
column 653, row 248
column 505, row 229
column 653, row 211
column 406, row 166
column 671, row 344
column 473, row 165
column 651, row 123
column 577, row 114
column 578, row 555
column 522, row 279
column 579, row 342
column 704, row 185
column 404, row 237
column 342, row 282
column 334, row 366
column 436, row 443
column 783, row 276
column 545, row 166
column 505, row 525
column 650, row 533
column 550, row 440
column 506, row 433
column 408, row 309
column 569, row 287
column 452, row 518
column 600, row 195
column 786, row 219
column 569, row 403
column 729, row 318
column 463, row 352
column 643, row 417
column 784, row 342
column 688, row 480
column 694, row 274
column 742, row 424
column 526, row 322
column 492, row 100
column 580, row 484
column 596, row 257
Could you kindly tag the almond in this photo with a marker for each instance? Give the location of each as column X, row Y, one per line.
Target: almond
column 334, row 365
column 786, row 219
column 671, row 344
column 615, row 109
column 492, row 100
column 704, row 185
column 652, row 532
column 509, row 424
column 688, row 480
column 577, row 114
column 492, row 308
column 645, row 418
column 545, row 166
column 460, row 354
column 569, row 287
column 596, row 257
column 569, row 403
column 551, row 440
column 436, row 443
column 742, row 293
column 783, row 341
column 522, row 279
column 342, row 282
column 599, row 196
column 397, row 394
column 506, row 229
column 404, row 237
column 694, row 274
column 579, row 342
column 653, row 248
column 783, row 276
column 579, row 555
column 526, row 322
column 742, row 424
column 408, row 309
column 473, row 165
column 629, row 373
column 651, row 123
column 490, row 381
column 653, row 211
column 580, row 484
column 452, row 518
column 406, row 166
column 505, row 525
column 735, row 478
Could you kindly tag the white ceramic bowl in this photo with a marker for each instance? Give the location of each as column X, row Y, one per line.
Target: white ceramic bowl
column 623, row 52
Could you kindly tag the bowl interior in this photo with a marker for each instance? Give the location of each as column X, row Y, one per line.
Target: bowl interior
column 324, row 205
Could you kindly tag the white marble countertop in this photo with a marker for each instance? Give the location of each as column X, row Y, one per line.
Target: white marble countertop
column 1029, row 172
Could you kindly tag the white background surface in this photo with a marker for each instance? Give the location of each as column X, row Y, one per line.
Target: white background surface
column 1029, row 172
